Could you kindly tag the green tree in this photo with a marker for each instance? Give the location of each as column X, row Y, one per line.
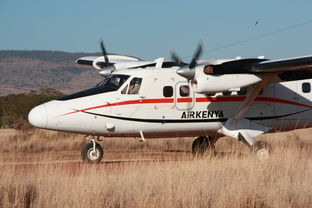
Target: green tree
column 14, row 109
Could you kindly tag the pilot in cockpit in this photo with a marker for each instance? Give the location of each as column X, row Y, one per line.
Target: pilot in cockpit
column 135, row 86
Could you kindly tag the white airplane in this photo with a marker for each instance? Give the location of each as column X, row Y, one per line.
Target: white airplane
column 239, row 98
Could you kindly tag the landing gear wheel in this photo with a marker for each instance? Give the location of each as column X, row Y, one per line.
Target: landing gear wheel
column 202, row 144
column 262, row 150
column 90, row 154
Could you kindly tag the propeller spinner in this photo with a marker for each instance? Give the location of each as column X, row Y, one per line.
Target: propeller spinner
column 188, row 71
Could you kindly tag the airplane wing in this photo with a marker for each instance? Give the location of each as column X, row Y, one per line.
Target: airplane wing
column 97, row 60
column 287, row 69
column 87, row 60
column 282, row 65
column 117, row 62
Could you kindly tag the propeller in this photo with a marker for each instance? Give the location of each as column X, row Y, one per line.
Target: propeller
column 188, row 71
column 198, row 53
column 176, row 58
column 106, row 62
column 104, row 51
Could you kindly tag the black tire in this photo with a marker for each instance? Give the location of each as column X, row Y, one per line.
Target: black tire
column 92, row 157
column 201, row 145
column 262, row 150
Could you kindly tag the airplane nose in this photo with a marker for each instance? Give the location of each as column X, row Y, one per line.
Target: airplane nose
column 38, row 116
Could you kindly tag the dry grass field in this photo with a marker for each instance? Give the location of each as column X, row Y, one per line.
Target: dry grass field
column 43, row 169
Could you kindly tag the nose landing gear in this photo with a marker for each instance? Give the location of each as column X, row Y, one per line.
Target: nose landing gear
column 92, row 152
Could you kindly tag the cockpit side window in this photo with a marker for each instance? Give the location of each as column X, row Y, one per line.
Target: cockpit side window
column 135, row 85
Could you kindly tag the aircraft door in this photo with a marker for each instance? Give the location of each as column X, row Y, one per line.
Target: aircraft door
column 184, row 97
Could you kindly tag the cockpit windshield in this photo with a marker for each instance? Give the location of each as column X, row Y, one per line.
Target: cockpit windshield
column 111, row 83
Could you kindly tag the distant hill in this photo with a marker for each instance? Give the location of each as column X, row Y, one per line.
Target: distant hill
column 23, row 71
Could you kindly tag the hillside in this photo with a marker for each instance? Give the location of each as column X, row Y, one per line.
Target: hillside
column 23, row 71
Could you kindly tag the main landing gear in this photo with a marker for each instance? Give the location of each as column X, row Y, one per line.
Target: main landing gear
column 206, row 145
column 262, row 150
column 92, row 152
column 203, row 144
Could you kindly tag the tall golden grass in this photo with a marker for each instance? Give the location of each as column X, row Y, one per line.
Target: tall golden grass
column 159, row 173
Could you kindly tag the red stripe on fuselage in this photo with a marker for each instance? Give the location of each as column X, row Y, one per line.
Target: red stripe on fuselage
column 128, row 102
column 220, row 99
column 185, row 100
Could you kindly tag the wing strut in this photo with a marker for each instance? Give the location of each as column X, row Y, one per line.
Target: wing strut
column 250, row 98
column 243, row 129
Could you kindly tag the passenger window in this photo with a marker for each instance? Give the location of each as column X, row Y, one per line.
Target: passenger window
column 242, row 91
column 226, row 93
column 168, row 91
column 135, row 85
column 306, row 87
column 124, row 90
column 184, row 91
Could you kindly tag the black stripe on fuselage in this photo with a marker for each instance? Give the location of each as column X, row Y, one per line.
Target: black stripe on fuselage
column 189, row 120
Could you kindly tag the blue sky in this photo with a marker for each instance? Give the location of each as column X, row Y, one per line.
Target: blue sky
column 150, row 29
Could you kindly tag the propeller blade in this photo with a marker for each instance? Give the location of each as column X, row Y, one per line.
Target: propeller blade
column 175, row 58
column 188, row 71
column 197, row 54
column 104, row 52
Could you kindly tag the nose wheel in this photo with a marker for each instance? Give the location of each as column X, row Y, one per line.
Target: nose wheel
column 92, row 152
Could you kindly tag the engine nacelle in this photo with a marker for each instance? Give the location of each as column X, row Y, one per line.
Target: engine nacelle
column 107, row 70
column 113, row 59
column 218, row 83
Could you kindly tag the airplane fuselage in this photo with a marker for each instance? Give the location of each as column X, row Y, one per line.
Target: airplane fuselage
column 165, row 106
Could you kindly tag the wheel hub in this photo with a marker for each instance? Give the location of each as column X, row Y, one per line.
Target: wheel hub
column 93, row 154
column 263, row 154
